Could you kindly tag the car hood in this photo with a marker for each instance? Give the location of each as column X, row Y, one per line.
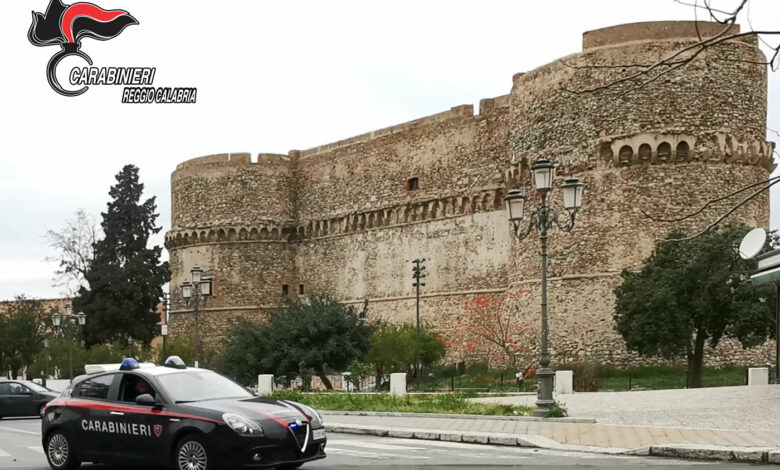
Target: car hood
column 256, row 408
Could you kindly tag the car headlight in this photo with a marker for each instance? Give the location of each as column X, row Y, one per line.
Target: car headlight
column 242, row 425
column 311, row 412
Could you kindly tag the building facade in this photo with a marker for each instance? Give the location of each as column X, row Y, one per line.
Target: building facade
column 348, row 217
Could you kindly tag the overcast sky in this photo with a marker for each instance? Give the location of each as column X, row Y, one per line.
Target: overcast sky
column 271, row 77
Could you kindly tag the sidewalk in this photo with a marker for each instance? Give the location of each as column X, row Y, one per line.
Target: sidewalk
column 742, row 424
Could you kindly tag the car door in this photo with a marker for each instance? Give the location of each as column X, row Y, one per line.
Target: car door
column 91, row 401
column 5, row 402
column 140, row 425
column 20, row 400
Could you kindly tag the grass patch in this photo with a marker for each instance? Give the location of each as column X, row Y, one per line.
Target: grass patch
column 434, row 403
column 659, row 378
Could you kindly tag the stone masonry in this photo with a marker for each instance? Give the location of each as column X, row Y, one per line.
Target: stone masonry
column 348, row 217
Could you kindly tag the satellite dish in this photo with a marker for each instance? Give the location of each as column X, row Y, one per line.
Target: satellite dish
column 752, row 243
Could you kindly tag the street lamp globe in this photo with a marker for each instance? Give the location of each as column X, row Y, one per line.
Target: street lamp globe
column 572, row 193
column 543, row 171
column 515, row 200
column 68, row 310
column 186, row 290
column 56, row 319
column 82, row 318
column 196, row 272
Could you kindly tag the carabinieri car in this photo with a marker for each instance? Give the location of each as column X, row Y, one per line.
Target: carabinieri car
column 179, row 417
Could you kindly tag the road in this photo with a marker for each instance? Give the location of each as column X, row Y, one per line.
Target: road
column 20, row 448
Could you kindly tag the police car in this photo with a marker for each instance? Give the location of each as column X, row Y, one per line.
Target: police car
column 179, row 417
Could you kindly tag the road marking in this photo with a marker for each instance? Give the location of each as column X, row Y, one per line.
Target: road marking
column 4, row 454
column 34, row 433
column 370, row 455
column 36, row 449
column 370, row 445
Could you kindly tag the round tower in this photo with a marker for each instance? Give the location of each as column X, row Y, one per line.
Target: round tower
column 663, row 144
column 233, row 218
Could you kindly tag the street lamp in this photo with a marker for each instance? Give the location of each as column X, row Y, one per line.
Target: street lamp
column 196, row 291
column 79, row 319
column 543, row 219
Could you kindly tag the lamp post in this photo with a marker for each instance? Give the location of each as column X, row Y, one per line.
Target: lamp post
column 418, row 273
column 543, row 219
column 57, row 320
column 196, row 291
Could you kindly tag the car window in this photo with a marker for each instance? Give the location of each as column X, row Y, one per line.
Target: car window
column 132, row 386
column 96, row 388
column 37, row 388
column 18, row 389
column 5, row 389
column 185, row 387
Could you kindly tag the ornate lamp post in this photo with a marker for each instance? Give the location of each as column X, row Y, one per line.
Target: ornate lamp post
column 196, row 291
column 78, row 318
column 543, row 219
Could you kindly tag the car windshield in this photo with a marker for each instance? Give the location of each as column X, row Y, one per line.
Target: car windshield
column 35, row 387
column 185, row 387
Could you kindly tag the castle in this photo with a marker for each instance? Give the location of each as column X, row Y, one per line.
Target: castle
column 348, row 217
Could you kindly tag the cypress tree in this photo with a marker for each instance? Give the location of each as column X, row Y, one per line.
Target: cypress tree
column 126, row 277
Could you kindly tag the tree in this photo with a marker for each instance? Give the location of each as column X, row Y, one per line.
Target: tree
column 21, row 333
column 489, row 327
column 125, row 279
column 316, row 332
column 75, row 246
column 244, row 353
column 689, row 292
column 392, row 348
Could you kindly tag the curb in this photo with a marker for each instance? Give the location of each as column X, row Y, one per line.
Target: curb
column 714, row 452
column 398, row 414
column 491, row 438
column 677, row 451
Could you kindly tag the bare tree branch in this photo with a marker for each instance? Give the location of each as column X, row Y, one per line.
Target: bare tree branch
column 74, row 244
column 649, row 73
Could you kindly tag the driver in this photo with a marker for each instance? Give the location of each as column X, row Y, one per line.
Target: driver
column 142, row 387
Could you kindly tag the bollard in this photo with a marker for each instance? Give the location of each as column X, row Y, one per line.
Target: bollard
column 758, row 376
column 564, row 382
column 398, row 384
column 265, row 384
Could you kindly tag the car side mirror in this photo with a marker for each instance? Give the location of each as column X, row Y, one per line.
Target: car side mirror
column 145, row 399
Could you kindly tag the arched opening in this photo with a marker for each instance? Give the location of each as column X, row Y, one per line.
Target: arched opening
column 664, row 152
column 645, row 153
column 625, row 155
column 682, row 152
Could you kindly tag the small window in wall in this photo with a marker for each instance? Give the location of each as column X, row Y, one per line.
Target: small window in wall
column 300, row 289
column 412, row 184
column 285, row 290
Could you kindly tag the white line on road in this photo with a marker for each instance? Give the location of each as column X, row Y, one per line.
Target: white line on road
column 370, row 445
column 370, row 455
column 34, row 433
column 4, row 454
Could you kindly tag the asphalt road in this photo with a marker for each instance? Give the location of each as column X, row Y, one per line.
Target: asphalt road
column 20, row 448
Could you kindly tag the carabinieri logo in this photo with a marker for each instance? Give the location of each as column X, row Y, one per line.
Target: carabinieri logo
column 67, row 25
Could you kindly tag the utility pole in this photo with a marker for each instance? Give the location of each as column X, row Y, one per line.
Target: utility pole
column 418, row 274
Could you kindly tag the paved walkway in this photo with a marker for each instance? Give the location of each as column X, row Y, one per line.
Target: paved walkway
column 724, row 416
column 736, row 408
column 582, row 434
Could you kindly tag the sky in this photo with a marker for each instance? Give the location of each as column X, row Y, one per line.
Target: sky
column 271, row 77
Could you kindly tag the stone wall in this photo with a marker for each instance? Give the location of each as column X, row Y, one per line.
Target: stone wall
column 348, row 217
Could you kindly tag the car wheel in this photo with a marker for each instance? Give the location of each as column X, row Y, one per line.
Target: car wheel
column 60, row 453
column 191, row 454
